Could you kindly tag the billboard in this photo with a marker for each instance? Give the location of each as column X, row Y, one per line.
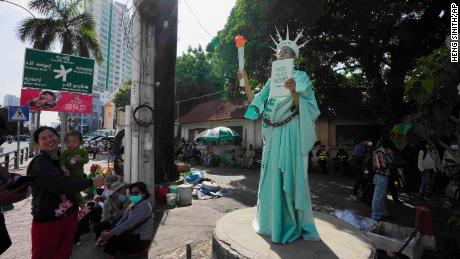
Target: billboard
column 46, row 100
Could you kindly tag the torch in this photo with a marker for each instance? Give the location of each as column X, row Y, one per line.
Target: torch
column 240, row 41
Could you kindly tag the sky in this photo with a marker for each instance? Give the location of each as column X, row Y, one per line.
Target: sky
column 212, row 14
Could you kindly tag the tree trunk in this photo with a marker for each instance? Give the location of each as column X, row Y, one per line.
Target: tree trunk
column 66, row 49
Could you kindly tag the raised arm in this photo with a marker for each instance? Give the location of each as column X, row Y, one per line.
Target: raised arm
column 247, row 88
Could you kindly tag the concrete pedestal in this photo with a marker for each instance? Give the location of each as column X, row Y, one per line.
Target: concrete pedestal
column 234, row 237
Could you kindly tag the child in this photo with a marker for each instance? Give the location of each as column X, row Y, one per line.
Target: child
column 72, row 162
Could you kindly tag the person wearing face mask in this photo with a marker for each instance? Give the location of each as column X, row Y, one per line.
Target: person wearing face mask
column 284, row 211
column 133, row 233
column 113, row 207
column 53, row 233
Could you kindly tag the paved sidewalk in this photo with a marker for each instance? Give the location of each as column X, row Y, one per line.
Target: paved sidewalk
column 19, row 220
column 193, row 225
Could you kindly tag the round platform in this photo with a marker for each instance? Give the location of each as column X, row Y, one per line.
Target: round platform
column 234, row 237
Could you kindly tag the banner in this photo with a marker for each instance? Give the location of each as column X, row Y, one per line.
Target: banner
column 45, row 100
column 59, row 72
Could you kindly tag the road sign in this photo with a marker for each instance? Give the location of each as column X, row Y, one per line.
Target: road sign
column 60, row 72
column 18, row 113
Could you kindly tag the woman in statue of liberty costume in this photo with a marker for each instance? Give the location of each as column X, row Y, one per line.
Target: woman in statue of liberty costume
column 284, row 209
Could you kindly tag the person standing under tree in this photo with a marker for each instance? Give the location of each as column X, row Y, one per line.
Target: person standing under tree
column 284, row 211
column 380, row 162
column 428, row 165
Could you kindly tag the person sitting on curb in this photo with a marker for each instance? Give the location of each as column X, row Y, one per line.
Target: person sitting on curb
column 133, row 233
column 113, row 207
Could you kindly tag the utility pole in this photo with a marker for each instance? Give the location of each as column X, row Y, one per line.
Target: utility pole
column 165, row 73
column 142, row 162
column 155, row 41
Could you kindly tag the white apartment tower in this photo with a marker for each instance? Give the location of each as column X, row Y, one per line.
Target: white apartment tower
column 114, row 30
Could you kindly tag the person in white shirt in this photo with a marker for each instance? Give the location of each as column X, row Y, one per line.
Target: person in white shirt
column 428, row 164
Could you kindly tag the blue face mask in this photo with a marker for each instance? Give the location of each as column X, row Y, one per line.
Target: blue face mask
column 121, row 198
column 135, row 199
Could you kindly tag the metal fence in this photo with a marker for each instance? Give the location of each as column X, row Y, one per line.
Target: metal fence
column 10, row 158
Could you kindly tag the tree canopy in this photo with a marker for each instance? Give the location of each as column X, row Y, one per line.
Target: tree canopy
column 195, row 79
column 123, row 96
column 370, row 44
column 433, row 92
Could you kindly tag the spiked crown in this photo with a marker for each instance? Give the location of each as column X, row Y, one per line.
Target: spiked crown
column 292, row 44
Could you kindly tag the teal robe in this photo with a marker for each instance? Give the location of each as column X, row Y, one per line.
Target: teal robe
column 284, row 205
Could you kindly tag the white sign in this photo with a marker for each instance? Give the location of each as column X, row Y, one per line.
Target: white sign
column 281, row 71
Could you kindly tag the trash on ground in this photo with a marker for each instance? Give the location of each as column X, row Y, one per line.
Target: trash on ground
column 362, row 223
column 194, row 177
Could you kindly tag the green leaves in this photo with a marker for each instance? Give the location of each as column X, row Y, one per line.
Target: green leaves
column 196, row 77
column 122, row 97
column 399, row 134
column 432, row 90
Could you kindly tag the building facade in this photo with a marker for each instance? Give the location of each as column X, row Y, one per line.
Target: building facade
column 114, row 31
column 344, row 130
column 10, row 100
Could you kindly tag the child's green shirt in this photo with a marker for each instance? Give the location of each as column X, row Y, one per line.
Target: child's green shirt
column 76, row 168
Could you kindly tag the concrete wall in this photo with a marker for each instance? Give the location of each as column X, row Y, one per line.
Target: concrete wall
column 326, row 129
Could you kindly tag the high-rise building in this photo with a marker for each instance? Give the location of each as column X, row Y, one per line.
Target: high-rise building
column 10, row 100
column 114, row 31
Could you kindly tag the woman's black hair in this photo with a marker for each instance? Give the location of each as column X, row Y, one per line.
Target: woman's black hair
column 43, row 128
column 74, row 134
column 142, row 187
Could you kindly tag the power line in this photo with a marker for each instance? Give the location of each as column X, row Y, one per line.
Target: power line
column 198, row 97
column 22, row 7
column 197, row 19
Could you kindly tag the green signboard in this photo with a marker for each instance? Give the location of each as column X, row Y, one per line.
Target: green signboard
column 60, row 72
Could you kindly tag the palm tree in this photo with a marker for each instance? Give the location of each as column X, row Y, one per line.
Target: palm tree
column 64, row 21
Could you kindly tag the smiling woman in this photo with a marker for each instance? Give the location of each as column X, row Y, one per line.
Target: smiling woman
column 53, row 232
